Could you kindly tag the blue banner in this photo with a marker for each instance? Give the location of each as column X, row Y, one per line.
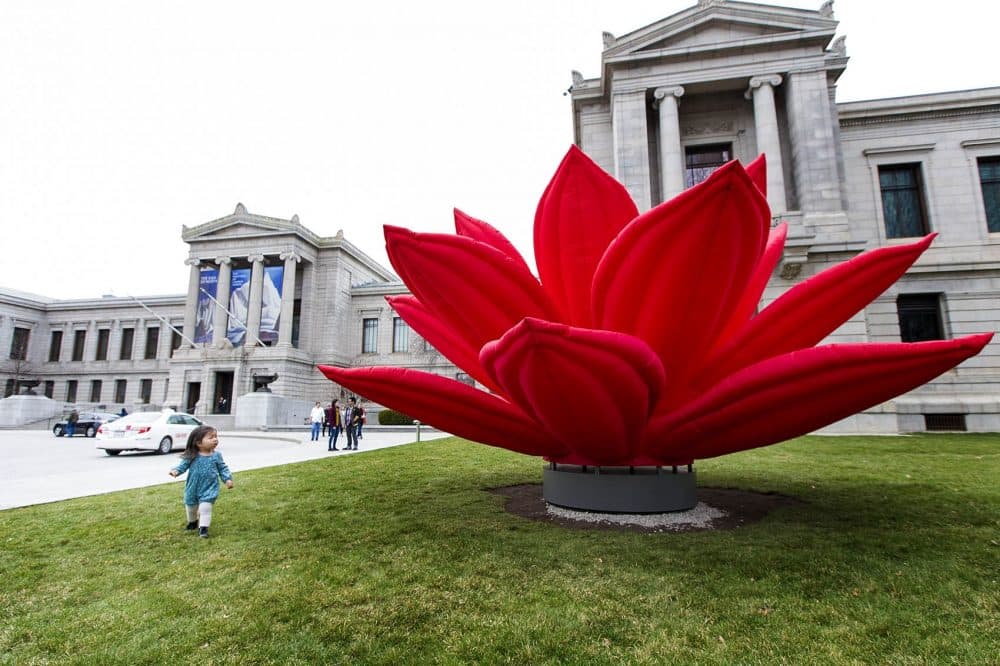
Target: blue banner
column 270, row 305
column 239, row 304
column 205, row 314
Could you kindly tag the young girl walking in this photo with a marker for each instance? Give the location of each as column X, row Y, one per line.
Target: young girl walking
column 205, row 467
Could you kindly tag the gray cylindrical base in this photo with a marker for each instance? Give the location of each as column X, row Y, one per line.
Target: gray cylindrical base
column 620, row 489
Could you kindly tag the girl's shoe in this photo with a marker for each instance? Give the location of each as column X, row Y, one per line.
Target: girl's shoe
column 203, row 532
column 193, row 525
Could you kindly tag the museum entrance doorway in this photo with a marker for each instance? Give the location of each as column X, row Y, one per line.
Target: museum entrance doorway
column 193, row 396
column 223, row 392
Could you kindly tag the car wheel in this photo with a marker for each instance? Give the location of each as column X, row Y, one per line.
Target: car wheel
column 57, row 431
column 91, row 431
column 166, row 445
column 112, row 452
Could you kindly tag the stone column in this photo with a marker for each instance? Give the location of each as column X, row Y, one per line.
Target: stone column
column 254, row 306
column 90, row 343
column 114, row 339
column 631, row 145
column 287, row 298
column 191, row 304
column 765, row 117
column 163, row 350
column 139, row 340
column 66, row 348
column 221, row 320
column 811, row 132
column 671, row 152
column 841, row 170
column 6, row 337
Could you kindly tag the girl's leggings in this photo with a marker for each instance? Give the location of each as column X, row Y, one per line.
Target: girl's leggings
column 200, row 512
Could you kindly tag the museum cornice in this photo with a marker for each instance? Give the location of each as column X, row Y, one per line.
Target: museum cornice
column 919, row 115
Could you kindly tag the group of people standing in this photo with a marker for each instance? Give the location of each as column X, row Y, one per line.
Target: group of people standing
column 333, row 419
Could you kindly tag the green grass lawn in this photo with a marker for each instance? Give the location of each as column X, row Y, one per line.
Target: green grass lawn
column 400, row 556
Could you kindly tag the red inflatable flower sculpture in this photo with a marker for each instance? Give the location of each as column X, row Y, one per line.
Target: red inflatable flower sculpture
column 640, row 342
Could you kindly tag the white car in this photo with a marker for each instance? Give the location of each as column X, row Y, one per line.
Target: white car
column 146, row 431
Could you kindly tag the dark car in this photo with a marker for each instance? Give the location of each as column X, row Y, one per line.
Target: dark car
column 86, row 424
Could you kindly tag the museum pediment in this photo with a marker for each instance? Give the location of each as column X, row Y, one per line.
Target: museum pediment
column 716, row 25
column 237, row 230
column 715, row 32
column 243, row 224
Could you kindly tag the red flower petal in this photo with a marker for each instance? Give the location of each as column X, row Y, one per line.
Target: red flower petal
column 750, row 298
column 448, row 405
column 814, row 308
column 473, row 288
column 483, row 232
column 674, row 275
column 581, row 211
column 798, row 392
column 757, row 170
column 591, row 390
column 452, row 345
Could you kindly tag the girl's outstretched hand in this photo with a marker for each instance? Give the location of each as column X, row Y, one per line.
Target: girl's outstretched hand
column 172, row 472
column 229, row 484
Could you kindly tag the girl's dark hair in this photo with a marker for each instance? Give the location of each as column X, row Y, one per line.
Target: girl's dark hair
column 194, row 439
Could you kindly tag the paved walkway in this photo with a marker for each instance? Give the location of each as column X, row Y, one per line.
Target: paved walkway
column 39, row 468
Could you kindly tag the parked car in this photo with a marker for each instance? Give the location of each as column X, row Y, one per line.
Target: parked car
column 87, row 424
column 146, row 431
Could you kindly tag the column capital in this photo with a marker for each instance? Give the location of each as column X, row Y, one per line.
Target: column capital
column 758, row 81
column 192, row 261
column 667, row 91
column 256, row 257
column 222, row 261
column 290, row 255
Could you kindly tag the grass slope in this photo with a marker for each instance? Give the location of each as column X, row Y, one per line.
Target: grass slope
column 399, row 556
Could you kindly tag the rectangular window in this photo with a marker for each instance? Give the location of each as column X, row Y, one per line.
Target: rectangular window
column 120, row 390
column 79, row 340
column 50, row 388
column 145, row 390
column 175, row 341
column 71, row 391
column 902, row 200
column 8, row 388
column 400, row 335
column 19, row 343
column 103, row 335
column 152, row 342
column 989, row 179
column 701, row 161
column 128, row 335
column 369, row 335
column 95, row 390
column 55, row 346
column 919, row 317
column 296, row 321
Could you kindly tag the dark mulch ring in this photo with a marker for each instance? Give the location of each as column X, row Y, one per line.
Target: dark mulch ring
column 740, row 507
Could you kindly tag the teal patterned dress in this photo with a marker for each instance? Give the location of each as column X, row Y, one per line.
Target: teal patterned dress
column 203, row 477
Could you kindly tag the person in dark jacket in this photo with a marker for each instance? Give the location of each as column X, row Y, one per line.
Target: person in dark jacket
column 334, row 423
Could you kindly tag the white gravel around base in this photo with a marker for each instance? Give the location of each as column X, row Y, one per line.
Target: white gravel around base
column 701, row 515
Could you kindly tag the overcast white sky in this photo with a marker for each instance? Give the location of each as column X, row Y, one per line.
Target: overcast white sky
column 120, row 121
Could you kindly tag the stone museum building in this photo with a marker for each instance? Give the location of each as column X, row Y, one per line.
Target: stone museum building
column 673, row 101
column 265, row 297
